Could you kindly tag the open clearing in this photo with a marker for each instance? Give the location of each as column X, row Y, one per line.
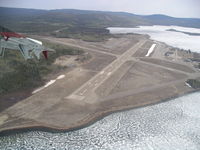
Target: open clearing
column 142, row 75
column 117, row 77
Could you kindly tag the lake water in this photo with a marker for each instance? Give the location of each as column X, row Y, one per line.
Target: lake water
column 160, row 33
column 170, row 126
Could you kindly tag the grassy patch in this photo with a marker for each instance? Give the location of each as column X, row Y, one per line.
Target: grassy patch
column 17, row 74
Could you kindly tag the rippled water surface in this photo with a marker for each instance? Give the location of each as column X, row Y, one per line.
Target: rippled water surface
column 161, row 33
column 168, row 126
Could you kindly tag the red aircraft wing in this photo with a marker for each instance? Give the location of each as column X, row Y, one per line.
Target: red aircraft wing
column 6, row 33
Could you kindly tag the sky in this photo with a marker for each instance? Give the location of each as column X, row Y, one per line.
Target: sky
column 175, row 8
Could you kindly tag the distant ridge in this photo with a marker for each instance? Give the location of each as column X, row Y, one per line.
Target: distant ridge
column 31, row 20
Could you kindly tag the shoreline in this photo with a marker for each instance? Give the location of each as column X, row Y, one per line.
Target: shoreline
column 163, row 28
column 51, row 111
column 88, row 121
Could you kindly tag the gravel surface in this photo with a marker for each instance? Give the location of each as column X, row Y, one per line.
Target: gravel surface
column 168, row 126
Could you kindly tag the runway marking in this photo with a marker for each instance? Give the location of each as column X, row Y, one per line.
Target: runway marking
column 84, row 91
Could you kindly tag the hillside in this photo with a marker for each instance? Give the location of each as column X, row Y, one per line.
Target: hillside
column 43, row 21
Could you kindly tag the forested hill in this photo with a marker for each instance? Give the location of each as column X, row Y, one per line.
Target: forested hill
column 34, row 20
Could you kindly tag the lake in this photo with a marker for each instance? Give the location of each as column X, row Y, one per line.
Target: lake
column 171, row 125
column 162, row 33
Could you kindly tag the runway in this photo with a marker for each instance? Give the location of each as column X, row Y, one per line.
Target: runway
column 102, row 85
column 89, row 87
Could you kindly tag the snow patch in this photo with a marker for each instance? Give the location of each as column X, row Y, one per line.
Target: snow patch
column 188, row 84
column 60, row 77
column 150, row 50
column 48, row 84
column 37, row 90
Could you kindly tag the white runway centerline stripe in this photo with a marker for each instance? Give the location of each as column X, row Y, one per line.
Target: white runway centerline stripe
column 150, row 50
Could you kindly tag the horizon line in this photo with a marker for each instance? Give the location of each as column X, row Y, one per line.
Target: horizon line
column 101, row 11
